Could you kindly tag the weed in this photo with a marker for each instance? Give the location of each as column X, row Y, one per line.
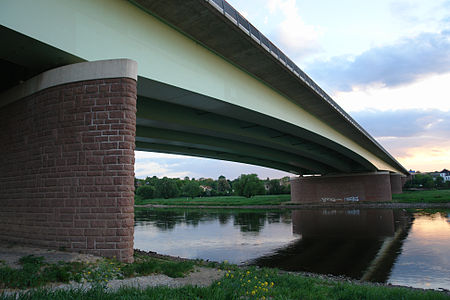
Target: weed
column 35, row 272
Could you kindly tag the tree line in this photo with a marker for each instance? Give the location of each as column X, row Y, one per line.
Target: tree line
column 426, row 181
column 246, row 185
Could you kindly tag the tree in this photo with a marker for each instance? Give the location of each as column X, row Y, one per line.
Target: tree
column 428, row 182
column 166, row 188
column 440, row 183
column 223, row 186
column 191, row 189
column 146, row 191
column 137, row 183
column 275, row 188
column 249, row 185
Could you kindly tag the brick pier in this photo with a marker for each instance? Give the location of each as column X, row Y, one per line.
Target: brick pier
column 346, row 188
column 67, row 160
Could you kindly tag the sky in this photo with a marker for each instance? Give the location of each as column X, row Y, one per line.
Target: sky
column 385, row 62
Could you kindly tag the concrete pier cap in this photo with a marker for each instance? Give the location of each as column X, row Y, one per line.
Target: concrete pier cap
column 67, row 159
column 346, row 188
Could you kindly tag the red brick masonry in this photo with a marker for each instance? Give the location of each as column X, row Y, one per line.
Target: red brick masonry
column 346, row 188
column 396, row 183
column 67, row 168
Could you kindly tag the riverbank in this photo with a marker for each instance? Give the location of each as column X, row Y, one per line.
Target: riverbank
column 308, row 206
column 410, row 199
column 220, row 281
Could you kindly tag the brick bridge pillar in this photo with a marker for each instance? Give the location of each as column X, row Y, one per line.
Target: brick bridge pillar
column 67, row 141
column 345, row 188
column 396, row 183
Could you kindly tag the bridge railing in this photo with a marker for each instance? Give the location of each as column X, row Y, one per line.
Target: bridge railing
column 234, row 16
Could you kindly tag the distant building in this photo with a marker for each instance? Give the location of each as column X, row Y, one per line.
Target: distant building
column 206, row 188
column 445, row 174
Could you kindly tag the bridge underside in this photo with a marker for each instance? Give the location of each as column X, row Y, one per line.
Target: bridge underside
column 66, row 159
column 174, row 120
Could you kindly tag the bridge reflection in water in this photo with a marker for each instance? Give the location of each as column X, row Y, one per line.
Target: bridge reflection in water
column 362, row 244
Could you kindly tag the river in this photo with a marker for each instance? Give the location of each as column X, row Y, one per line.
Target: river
column 381, row 245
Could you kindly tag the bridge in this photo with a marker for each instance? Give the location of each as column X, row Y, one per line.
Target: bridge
column 85, row 83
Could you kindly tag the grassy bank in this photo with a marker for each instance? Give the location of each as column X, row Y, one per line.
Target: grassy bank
column 35, row 272
column 250, row 284
column 219, row 201
column 432, row 196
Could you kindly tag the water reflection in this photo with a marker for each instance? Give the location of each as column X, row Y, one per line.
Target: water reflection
column 250, row 221
column 236, row 236
column 425, row 260
column 382, row 245
column 361, row 244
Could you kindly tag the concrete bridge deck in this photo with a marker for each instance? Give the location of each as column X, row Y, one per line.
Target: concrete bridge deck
column 207, row 83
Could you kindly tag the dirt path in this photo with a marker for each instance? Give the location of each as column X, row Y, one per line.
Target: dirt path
column 201, row 276
column 10, row 255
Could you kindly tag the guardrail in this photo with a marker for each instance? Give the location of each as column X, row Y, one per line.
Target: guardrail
column 234, row 16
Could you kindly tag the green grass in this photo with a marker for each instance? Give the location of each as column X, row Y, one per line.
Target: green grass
column 146, row 266
column 220, row 201
column 250, row 284
column 35, row 272
column 432, row 196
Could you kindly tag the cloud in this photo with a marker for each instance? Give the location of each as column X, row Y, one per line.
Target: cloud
column 418, row 139
column 405, row 122
column 419, row 13
column 161, row 164
column 144, row 168
column 432, row 92
column 155, row 155
column 292, row 34
column 420, row 153
column 401, row 63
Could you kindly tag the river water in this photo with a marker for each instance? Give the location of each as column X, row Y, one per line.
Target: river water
column 401, row 247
